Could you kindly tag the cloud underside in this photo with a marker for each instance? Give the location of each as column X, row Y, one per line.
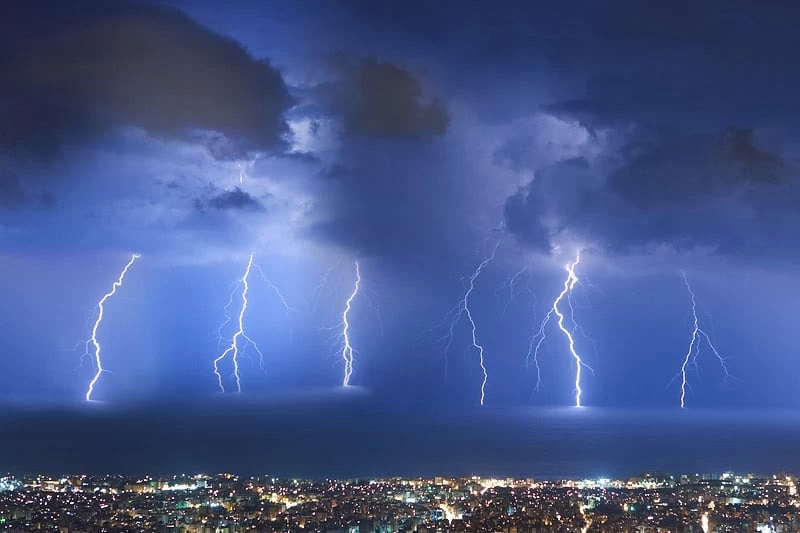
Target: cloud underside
column 232, row 200
column 69, row 78
column 628, row 109
column 720, row 193
column 381, row 99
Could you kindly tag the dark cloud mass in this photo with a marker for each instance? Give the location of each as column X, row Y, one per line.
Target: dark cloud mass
column 689, row 167
column 386, row 185
column 720, row 192
column 522, row 219
column 681, row 63
column 69, row 76
column 235, row 199
column 11, row 193
column 698, row 98
column 384, row 100
column 14, row 195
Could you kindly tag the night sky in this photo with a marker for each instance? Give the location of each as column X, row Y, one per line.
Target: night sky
column 414, row 138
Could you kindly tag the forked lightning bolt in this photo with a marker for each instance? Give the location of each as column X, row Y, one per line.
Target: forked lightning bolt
column 347, row 347
column 275, row 289
column 467, row 310
column 509, row 287
column 235, row 348
column 463, row 309
column 227, row 311
column 100, row 311
column 538, row 338
column 694, row 345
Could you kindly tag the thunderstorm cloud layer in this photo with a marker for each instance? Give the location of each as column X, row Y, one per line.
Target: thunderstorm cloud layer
column 414, row 140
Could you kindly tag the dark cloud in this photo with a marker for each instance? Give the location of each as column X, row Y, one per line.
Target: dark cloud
column 522, row 219
column 384, row 185
column 718, row 62
column 384, row 100
column 723, row 193
column 235, row 199
column 677, row 170
column 371, row 209
column 13, row 194
column 75, row 72
column 399, row 201
column 710, row 63
column 755, row 163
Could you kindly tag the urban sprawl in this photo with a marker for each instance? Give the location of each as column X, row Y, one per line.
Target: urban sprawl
column 225, row 503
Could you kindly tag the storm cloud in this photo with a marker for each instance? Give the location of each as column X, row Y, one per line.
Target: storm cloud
column 71, row 75
column 722, row 193
column 381, row 99
column 235, row 199
column 14, row 195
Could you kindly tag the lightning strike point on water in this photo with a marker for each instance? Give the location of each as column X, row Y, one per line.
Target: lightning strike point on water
column 536, row 341
column 100, row 312
column 235, row 349
column 347, row 347
column 694, row 345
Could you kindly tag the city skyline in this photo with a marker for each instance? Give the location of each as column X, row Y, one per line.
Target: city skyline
column 207, row 503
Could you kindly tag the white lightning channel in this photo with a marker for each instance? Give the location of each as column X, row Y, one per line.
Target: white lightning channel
column 694, row 346
column 453, row 316
column 468, row 312
column 536, row 341
column 98, row 363
column 288, row 308
column 234, row 349
column 317, row 293
column 275, row 289
column 226, row 309
column 509, row 287
column 347, row 347
column 243, row 167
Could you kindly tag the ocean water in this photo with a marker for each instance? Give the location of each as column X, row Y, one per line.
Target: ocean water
column 317, row 435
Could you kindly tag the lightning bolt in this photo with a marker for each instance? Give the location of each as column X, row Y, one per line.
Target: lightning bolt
column 347, row 348
column 226, row 309
column 536, row 341
column 244, row 166
column 375, row 309
column 98, row 363
column 533, row 352
column 234, row 349
column 462, row 308
column 468, row 312
column 288, row 308
column 698, row 334
column 317, row 293
column 275, row 289
column 509, row 287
